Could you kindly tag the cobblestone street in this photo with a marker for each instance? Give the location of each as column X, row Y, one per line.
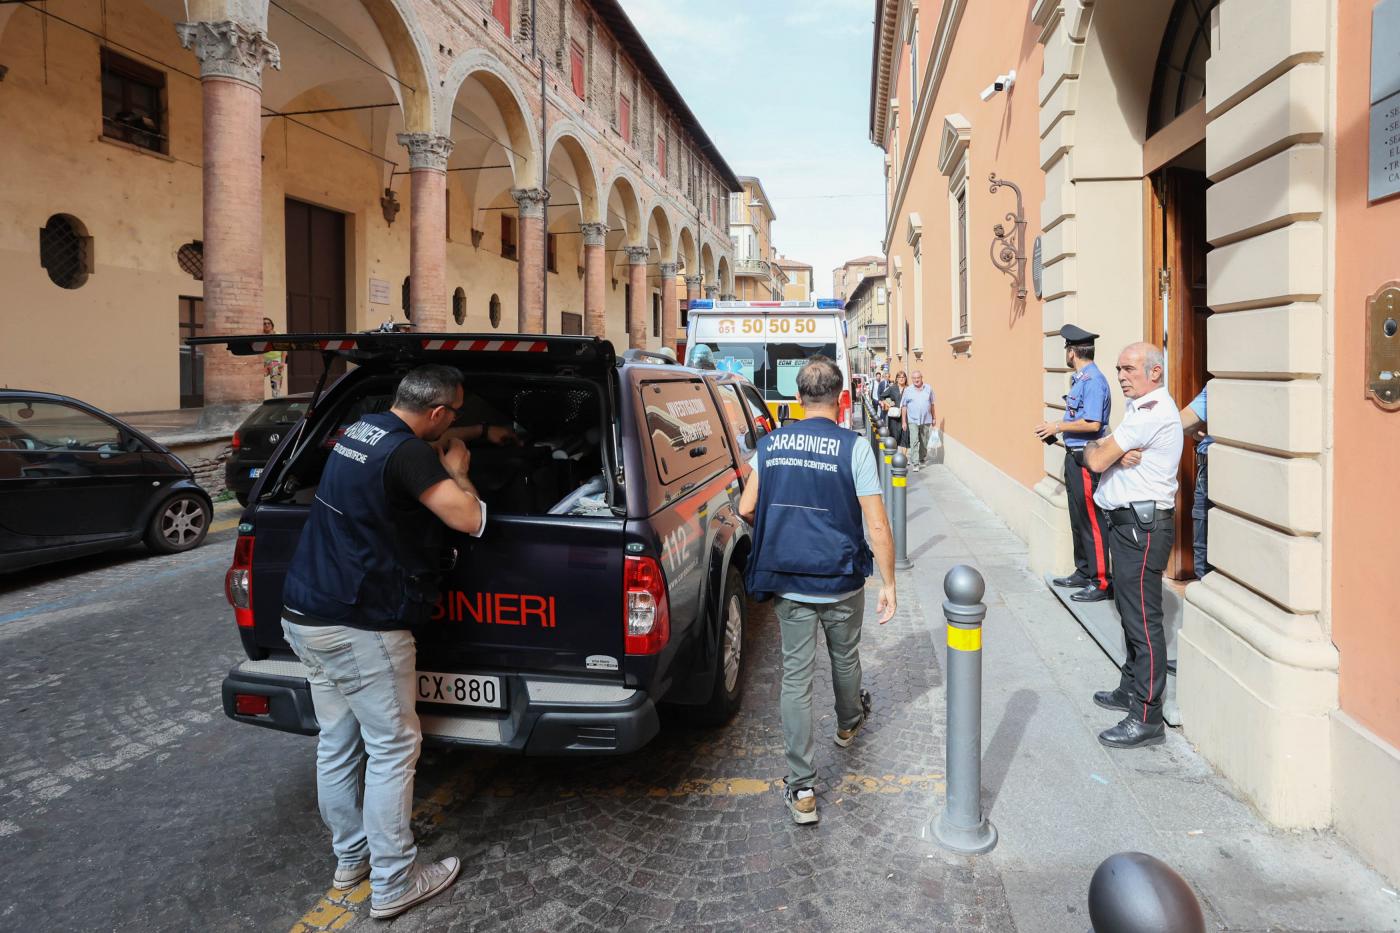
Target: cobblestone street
column 127, row 800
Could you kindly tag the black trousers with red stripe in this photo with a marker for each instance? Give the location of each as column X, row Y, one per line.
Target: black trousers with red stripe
column 1086, row 523
column 1139, row 557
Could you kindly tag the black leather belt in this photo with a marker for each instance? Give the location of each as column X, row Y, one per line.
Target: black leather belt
column 1128, row 517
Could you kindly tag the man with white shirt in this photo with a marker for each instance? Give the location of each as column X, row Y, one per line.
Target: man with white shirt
column 1138, row 495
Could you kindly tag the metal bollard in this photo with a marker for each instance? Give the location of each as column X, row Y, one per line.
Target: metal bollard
column 1135, row 893
column 886, row 470
column 961, row 826
column 898, row 508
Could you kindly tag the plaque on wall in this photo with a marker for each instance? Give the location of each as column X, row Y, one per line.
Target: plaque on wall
column 379, row 292
column 1384, row 155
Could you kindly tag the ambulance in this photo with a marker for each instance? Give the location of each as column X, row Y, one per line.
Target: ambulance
column 767, row 342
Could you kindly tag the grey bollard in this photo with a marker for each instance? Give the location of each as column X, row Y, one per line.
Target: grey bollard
column 961, row 825
column 899, row 510
column 886, row 471
column 1135, row 893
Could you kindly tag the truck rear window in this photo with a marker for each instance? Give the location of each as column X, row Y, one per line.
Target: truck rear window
column 684, row 428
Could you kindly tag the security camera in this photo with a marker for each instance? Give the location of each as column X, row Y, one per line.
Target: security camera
column 1002, row 83
column 989, row 91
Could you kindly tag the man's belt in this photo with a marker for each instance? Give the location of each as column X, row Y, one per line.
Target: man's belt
column 1129, row 517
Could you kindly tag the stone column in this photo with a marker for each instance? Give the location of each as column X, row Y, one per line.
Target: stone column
column 427, row 234
column 640, row 311
column 711, row 291
column 231, row 59
column 595, row 273
column 669, row 311
column 530, row 256
column 692, row 287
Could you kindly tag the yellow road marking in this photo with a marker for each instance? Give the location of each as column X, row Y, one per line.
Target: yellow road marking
column 335, row 910
column 217, row 527
column 965, row 639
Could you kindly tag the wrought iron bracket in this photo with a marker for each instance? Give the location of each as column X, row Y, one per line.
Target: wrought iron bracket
column 1009, row 249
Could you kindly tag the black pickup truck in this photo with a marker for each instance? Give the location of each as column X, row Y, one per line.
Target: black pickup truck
column 610, row 575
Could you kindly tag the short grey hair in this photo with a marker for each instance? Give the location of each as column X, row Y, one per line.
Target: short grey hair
column 1152, row 356
column 427, row 387
column 819, row 382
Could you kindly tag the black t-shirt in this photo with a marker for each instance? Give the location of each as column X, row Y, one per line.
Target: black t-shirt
column 412, row 469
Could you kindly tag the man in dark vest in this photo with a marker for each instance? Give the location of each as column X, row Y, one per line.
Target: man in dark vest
column 363, row 575
column 817, row 482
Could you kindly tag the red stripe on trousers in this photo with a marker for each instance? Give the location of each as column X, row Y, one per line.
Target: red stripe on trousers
column 1102, row 570
column 1151, row 661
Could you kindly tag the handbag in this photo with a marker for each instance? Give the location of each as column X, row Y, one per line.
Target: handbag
column 896, row 412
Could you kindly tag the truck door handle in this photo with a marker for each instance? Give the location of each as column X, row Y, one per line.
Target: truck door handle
column 699, row 451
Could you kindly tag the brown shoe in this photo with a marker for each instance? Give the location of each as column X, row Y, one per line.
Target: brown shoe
column 844, row 737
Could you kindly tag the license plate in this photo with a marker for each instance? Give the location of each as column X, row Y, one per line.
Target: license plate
column 461, row 690
column 255, row 472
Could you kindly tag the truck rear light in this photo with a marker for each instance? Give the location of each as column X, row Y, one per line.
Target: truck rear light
column 845, row 408
column 238, row 582
column 237, row 441
column 251, row 704
column 646, row 609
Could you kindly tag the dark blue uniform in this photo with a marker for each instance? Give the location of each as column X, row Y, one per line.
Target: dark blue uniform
column 1088, row 400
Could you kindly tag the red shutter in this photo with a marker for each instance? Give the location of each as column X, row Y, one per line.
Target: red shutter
column 501, row 10
column 576, row 67
column 661, row 155
column 624, row 117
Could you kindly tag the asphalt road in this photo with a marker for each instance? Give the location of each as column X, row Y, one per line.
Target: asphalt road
column 128, row 801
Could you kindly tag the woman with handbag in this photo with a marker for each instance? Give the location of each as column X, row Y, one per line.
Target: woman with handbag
column 899, row 427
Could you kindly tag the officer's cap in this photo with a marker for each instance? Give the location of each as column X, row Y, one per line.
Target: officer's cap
column 1077, row 336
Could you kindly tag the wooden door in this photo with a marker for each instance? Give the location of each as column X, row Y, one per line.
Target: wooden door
column 315, row 249
column 1177, row 313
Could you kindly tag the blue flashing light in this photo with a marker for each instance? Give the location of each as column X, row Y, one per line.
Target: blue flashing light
column 830, row 303
column 701, row 304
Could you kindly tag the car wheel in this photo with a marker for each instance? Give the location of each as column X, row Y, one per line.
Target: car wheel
column 179, row 524
column 728, row 688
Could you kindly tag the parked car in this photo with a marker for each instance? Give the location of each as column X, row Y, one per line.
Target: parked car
column 75, row 480
column 256, row 439
column 609, row 578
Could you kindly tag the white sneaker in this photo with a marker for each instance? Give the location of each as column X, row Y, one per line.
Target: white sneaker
column 428, row 881
column 347, row 878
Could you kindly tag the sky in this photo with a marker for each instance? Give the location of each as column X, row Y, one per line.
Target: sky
column 783, row 89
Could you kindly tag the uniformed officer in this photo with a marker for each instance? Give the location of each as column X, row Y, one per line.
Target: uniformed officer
column 1137, row 496
column 1086, row 419
column 818, row 481
column 363, row 574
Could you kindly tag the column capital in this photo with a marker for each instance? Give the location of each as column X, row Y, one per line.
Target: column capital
column 694, row 281
column 711, row 291
column 594, row 234
column 427, row 150
column 230, row 49
column 637, row 255
column 530, row 201
column 668, row 270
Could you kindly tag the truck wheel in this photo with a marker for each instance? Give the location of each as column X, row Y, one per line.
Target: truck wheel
column 728, row 688
column 179, row 524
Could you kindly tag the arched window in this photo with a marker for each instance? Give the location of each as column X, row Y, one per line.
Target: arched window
column 65, row 251
column 191, row 259
column 495, row 310
column 459, row 306
column 1180, row 81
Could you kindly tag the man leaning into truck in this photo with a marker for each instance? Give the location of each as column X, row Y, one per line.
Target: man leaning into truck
column 818, row 481
column 363, row 575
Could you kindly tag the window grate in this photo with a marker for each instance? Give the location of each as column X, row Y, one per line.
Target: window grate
column 64, row 251
column 191, row 259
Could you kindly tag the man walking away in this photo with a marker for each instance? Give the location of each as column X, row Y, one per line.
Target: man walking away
column 817, row 481
column 1138, row 501
column 1193, row 422
column 917, row 402
column 363, row 575
column 1086, row 419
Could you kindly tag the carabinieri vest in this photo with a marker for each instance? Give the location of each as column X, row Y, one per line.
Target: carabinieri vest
column 362, row 562
column 808, row 538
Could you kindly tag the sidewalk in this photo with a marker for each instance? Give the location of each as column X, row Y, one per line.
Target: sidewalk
column 1062, row 802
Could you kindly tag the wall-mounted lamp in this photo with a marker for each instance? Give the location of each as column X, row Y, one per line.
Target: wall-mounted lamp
column 389, row 203
column 1009, row 249
column 476, row 238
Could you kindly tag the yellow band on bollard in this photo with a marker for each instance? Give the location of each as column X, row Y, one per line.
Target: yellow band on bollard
column 899, row 480
column 965, row 639
column 889, row 457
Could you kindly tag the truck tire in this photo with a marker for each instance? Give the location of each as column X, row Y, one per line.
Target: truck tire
column 727, row 690
column 180, row 523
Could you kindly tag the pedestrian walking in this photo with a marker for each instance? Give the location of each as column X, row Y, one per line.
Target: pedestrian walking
column 274, row 363
column 1193, row 422
column 899, row 424
column 812, row 484
column 919, row 418
column 364, row 574
column 1087, row 408
column 886, row 397
column 1137, row 495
